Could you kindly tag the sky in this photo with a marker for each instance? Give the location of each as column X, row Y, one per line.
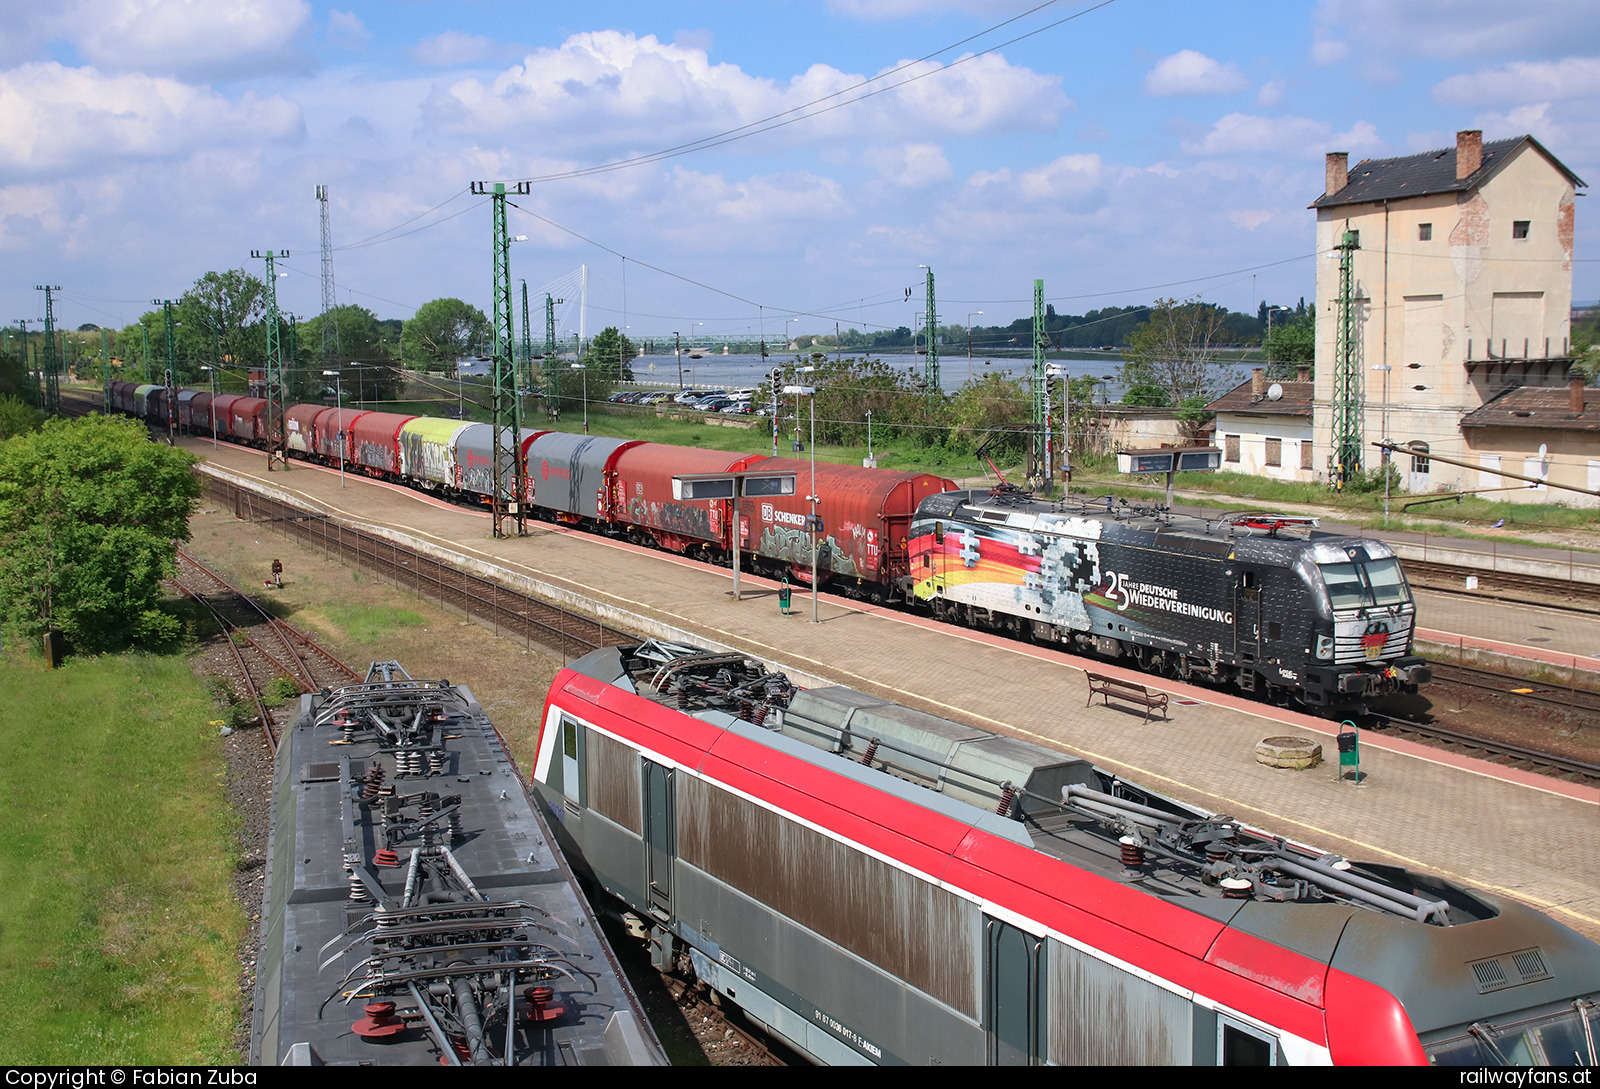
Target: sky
column 801, row 159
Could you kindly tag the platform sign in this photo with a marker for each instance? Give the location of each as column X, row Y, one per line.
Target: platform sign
column 755, row 483
column 1171, row 460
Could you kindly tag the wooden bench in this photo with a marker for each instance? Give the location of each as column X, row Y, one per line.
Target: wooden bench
column 1107, row 687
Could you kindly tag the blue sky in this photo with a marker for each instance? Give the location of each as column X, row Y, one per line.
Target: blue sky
column 1143, row 148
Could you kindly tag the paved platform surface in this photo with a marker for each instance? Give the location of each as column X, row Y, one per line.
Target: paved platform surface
column 1502, row 831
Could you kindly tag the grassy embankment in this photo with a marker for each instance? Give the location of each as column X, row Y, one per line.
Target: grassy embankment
column 118, row 927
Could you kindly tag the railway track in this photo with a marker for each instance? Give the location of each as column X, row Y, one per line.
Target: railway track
column 508, row 611
column 263, row 647
column 1495, row 752
column 1563, row 595
column 1567, row 697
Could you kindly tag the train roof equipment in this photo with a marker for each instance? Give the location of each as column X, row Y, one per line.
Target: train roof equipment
column 416, row 911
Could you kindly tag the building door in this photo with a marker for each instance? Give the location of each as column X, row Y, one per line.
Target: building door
column 1419, row 480
column 660, row 837
column 1013, row 994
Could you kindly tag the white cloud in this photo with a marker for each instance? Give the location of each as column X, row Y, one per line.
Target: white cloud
column 616, row 89
column 192, row 38
column 56, row 119
column 1271, row 93
column 453, row 48
column 1460, row 28
column 1328, row 51
column 1523, row 82
column 1242, row 133
column 346, row 29
column 1250, row 219
column 1072, row 184
column 1190, row 73
column 909, row 166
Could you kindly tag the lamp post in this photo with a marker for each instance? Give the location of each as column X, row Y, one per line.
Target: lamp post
column 1384, row 367
column 1267, row 344
column 211, row 408
column 584, row 367
column 787, row 322
column 974, row 314
column 677, row 352
column 811, row 391
column 361, row 399
column 338, row 400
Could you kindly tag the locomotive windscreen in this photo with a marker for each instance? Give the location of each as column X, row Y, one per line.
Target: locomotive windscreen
column 1374, row 582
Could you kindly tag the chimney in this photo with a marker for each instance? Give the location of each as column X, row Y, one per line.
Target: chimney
column 1575, row 395
column 1258, row 381
column 1469, row 152
column 1302, row 373
column 1338, row 172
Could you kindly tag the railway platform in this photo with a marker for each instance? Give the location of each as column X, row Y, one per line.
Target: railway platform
column 1506, row 832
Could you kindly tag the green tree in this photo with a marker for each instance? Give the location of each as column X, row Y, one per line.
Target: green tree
column 609, row 358
column 222, row 310
column 989, row 406
column 442, row 331
column 1177, row 351
column 1147, row 394
column 1291, row 345
column 89, row 509
column 18, row 417
column 15, row 381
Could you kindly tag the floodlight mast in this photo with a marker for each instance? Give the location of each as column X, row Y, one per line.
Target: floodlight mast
column 507, row 404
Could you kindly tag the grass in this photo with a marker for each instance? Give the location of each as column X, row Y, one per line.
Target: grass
column 368, row 624
column 118, row 928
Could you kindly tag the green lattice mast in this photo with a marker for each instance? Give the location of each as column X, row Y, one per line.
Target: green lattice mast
column 1041, row 389
column 930, row 370
column 274, row 391
column 510, row 483
column 49, row 365
column 1346, row 372
column 525, row 381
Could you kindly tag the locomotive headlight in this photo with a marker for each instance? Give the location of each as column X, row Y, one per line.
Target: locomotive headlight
column 1324, row 646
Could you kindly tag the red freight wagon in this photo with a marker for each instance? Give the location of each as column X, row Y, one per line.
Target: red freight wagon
column 222, row 413
column 247, row 419
column 865, row 513
column 375, row 440
column 122, row 396
column 297, row 426
column 186, row 409
column 642, row 494
column 325, row 433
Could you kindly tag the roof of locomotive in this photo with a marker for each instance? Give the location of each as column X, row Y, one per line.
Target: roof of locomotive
column 1260, row 536
column 501, row 844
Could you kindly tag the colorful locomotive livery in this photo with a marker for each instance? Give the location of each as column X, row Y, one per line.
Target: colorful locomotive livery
column 880, row 885
column 1260, row 601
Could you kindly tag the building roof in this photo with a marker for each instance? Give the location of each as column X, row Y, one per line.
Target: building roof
column 1544, row 408
column 1431, row 172
column 1296, row 400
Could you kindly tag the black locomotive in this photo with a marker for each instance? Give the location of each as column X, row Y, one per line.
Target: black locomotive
column 1261, row 601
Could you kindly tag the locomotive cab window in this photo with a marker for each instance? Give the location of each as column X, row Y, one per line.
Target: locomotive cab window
column 1239, row 1044
column 1374, row 582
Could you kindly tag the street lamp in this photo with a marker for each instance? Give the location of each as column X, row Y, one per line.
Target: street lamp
column 811, row 391
column 584, row 367
column 338, row 400
column 361, row 400
column 788, row 322
column 1267, row 344
column 974, row 314
column 211, row 408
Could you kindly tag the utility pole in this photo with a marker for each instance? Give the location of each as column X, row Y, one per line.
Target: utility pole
column 330, row 327
column 105, row 367
column 1346, row 372
column 144, row 334
column 526, row 379
column 1041, row 389
column 551, row 359
column 930, row 370
column 275, row 449
column 50, row 367
column 507, row 405
column 172, row 353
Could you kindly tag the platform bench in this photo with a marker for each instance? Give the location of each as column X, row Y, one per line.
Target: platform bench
column 1132, row 692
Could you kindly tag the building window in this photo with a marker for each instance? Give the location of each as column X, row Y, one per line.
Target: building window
column 1419, row 462
column 1274, row 453
column 1425, row 232
column 1305, row 456
column 1519, row 228
column 1231, row 446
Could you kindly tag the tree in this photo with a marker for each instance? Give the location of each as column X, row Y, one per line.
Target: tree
column 442, row 331
column 18, row 418
column 15, row 381
column 365, row 357
column 89, row 509
column 1177, row 351
column 221, row 310
column 609, row 358
column 1291, row 344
